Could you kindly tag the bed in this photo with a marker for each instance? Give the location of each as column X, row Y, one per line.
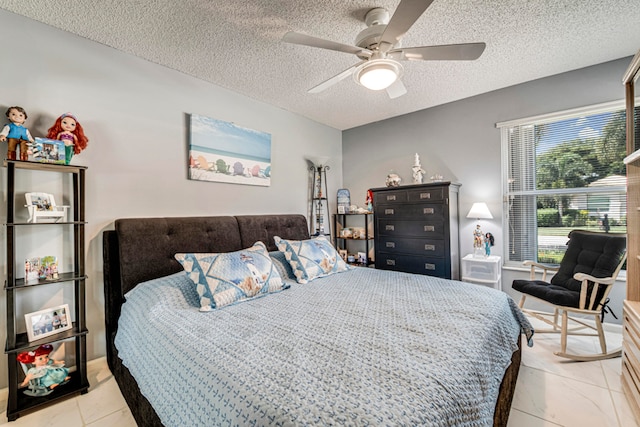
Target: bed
column 359, row 347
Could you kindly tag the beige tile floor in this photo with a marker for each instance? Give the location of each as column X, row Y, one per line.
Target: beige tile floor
column 550, row 392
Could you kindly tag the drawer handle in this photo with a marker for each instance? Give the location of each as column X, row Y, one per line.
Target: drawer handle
column 391, row 262
column 428, row 211
column 429, row 247
column 388, row 211
column 429, row 228
column 425, row 196
column 390, row 228
column 391, row 197
column 429, row 266
column 391, row 244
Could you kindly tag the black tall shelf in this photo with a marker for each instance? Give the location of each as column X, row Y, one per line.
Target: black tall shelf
column 18, row 403
column 341, row 242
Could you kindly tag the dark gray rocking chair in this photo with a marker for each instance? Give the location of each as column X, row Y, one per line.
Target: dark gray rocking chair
column 580, row 286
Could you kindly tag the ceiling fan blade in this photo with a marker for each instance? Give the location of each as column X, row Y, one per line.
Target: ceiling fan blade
column 405, row 15
column 451, row 52
column 396, row 89
column 335, row 79
column 306, row 40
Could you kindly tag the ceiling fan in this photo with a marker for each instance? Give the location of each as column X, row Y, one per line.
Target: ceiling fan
column 378, row 47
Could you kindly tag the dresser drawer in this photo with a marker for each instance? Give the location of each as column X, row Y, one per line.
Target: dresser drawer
column 390, row 197
column 428, row 229
column 423, row 247
column 413, row 264
column 428, row 211
column 426, row 195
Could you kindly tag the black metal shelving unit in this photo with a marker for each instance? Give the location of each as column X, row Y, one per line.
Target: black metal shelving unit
column 18, row 403
column 340, row 242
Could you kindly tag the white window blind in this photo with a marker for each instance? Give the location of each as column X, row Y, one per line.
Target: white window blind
column 562, row 171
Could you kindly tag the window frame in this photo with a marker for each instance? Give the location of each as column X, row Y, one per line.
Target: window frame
column 504, row 127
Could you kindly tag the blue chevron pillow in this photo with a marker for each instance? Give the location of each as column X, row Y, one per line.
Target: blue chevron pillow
column 229, row 278
column 310, row 259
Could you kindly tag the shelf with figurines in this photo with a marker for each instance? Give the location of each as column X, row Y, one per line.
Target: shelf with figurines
column 28, row 350
column 42, row 271
column 44, row 376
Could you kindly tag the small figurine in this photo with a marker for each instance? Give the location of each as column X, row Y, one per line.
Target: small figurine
column 16, row 134
column 46, row 374
column 68, row 129
column 478, row 242
column 369, row 201
column 418, row 172
column 488, row 242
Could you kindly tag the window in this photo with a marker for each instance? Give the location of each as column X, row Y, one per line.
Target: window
column 562, row 171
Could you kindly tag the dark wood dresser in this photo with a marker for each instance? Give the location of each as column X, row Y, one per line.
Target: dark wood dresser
column 416, row 229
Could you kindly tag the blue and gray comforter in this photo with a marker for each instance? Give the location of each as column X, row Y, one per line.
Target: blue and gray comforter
column 364, row 347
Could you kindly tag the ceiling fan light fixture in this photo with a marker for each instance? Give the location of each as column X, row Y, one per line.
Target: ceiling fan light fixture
column 378, row 74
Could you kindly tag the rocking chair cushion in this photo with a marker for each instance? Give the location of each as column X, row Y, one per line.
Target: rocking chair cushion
column 595, row 254
column 553, row 294
column 592, row 253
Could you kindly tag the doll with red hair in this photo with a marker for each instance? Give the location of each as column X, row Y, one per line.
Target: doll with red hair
column 45, row 374
column 67, row 128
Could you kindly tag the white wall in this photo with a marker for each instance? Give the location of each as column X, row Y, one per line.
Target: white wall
column 135, row 114
column 460, row 141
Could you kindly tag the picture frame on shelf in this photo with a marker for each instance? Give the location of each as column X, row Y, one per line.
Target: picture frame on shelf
column 45, row 150
column 362, row 258
column 43, row 206
column 48, row 268
column 343, row 254
column 32, row 269
column 47, row 322
column 342, row 210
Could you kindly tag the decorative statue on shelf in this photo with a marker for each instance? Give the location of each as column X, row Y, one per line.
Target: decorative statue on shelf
column 418, row 172
column 45, row 374
column 488, row 242
column 16, row 134
column 68, row 129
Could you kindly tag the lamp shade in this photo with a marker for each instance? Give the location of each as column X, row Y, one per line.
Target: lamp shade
column 480, row 210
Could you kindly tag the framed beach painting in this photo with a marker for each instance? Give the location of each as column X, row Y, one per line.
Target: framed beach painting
column 221, row 151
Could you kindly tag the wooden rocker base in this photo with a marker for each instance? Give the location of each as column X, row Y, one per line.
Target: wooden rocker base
column 590, row 358
column 564, row 330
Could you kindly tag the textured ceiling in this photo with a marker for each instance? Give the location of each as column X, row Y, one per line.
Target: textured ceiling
column 236, row 45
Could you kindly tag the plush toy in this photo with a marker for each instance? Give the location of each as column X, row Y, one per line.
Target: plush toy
column 45, row 374
column 16, row 134
column 67, row 128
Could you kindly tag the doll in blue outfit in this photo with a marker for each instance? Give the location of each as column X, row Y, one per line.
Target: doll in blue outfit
column 16, row 134
column 45, row 374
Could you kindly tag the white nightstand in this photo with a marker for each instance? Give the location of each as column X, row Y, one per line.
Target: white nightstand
column 483, row 271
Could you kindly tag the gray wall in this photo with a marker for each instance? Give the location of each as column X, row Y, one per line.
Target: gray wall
column 460, row 141
column 135, row 115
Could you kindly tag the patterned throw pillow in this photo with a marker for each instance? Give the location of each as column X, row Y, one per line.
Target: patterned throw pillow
column 282, row 265
column 228, row 278
column 311, row 258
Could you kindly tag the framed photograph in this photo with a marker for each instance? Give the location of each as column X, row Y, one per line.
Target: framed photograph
column 225, row 152
column 362, row 258
column 46, row 150
column 50, row 321
column 342, row 210
column 343, row 254
column 32, row 269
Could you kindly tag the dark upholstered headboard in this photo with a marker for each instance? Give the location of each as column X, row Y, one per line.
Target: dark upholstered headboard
column 141, row 249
